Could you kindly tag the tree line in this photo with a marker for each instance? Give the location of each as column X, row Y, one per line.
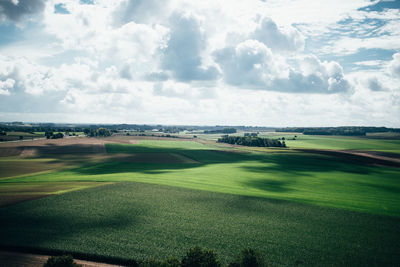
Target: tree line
column 251, row 141
column 101, row 132
column 343, row 130
column 223, row 131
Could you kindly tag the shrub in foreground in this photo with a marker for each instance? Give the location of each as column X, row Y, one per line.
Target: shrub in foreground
column 61, row 261
column 197, row 257
column 170, row 262
column 249, row 258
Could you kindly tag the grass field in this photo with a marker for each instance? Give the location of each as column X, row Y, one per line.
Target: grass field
column 296, row 207
column 338, row 142
column 301, row 177
column 135, row 220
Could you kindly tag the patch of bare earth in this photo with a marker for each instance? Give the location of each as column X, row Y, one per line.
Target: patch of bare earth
column 365, row 157
column 18, row 259
column 28, row 152
column 9, row 151
column 20, row 167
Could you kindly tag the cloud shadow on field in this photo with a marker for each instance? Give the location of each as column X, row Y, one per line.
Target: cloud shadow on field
column 291, row 163
column 66, row 219
column 128, row 158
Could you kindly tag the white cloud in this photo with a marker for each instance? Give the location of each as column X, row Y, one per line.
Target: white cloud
column 183, row 62
column 394, row 66
column 374, row 84
column 140, row 11
column 252, row 65
column 183, row 53
column 6, row 85
column 16, row 10
column 369, row 63
column 278, row 38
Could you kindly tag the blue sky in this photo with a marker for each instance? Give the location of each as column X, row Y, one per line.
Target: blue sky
column 270, row 63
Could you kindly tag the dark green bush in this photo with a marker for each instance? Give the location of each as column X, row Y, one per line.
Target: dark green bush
column 61, row 261
column 249, row 258
column 197, row 257
column 170, row 262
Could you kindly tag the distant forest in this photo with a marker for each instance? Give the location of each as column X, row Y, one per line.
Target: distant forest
column 92, row 129
column 251, row 141
column 223, row 131
column 344, row 130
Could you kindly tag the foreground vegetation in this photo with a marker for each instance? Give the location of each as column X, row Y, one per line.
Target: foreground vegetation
column 195, row 257
column 143, row 221
column 142, row 199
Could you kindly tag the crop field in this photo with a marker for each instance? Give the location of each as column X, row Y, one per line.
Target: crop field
column 127, row 197
column 340, row 143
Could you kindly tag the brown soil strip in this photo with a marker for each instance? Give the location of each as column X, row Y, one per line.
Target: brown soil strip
column 365, row 157
column 9, row 151
column 28, row 152
column 21, row 167
column 18, row 259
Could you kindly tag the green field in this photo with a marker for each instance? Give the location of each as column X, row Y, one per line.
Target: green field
column 135, row 220
column 338, row 142
column 308, row 178
column 171, row 195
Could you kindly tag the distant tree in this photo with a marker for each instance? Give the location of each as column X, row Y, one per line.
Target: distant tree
column 57, row 136
column 48, row 134
column 103, row 132
column 250, row 141
column 225, row 131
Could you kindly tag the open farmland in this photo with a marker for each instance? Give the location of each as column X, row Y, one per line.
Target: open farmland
column 339, row 142
column 153, row 197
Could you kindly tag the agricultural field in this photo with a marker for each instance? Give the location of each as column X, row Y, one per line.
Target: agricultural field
column 14, row 136
column 318, row 202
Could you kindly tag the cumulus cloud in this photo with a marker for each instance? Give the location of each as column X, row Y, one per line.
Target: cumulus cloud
column 183, row 54
column 394, row 66
column 278, row 38
column 139, row 11
column 251, row 64
column 314, row 76
column 6, row 85
column 374, row 84
column 20, row 75
column 15, row 10
column 147, row 61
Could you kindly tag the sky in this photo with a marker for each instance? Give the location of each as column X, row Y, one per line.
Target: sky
column 272, row 63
